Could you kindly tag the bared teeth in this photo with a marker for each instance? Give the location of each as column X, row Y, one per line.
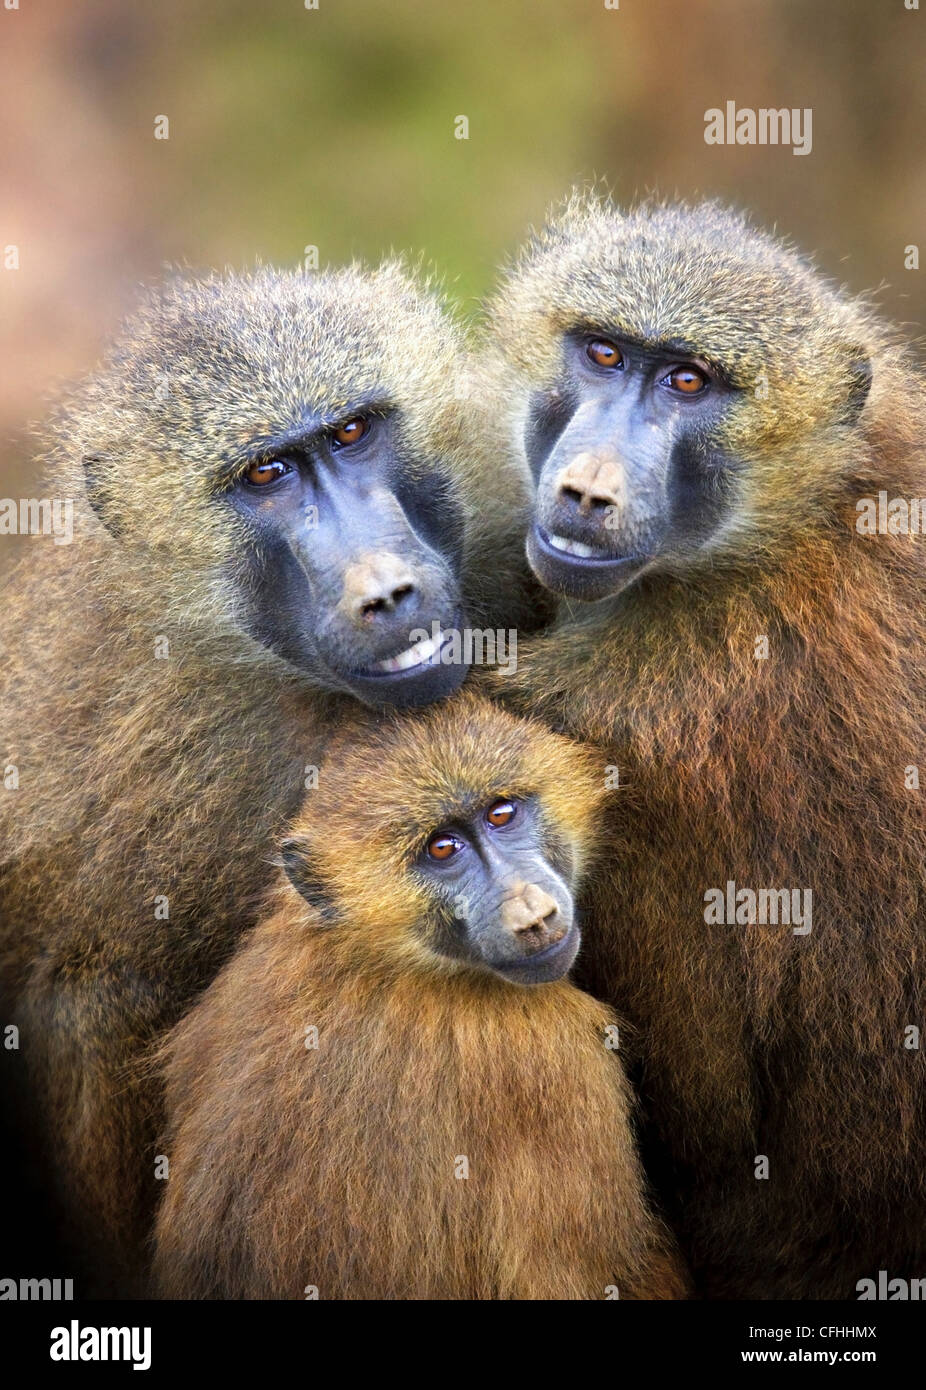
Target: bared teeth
column 412, row 656
column 582, row 552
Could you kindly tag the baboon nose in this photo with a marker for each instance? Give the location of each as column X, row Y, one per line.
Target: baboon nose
column 374, row 585
column 532, row 915
column 592, row 480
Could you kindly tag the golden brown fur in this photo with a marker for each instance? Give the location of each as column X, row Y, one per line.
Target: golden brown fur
column 142, row 778
column 786, row 771
column 335, row 1167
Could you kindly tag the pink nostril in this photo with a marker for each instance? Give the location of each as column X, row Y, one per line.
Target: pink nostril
column 385, row 603
column 539, row 924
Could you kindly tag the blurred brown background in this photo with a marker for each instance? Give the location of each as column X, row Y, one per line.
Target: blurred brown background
column 335, row 128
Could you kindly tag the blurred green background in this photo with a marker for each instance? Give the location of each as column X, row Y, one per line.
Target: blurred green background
column 335, row 128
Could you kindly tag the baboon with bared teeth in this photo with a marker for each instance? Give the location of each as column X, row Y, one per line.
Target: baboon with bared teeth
column 392, row 1090
column 278, row 495
column 702, row 412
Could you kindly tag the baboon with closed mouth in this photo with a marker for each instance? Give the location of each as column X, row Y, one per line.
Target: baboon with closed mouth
column 391, row 1091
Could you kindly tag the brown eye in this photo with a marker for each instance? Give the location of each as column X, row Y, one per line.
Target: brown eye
column 688, row 380
column 604, row 354
column 259, row 474
column 501, row 812
column 443, row 845
column 350, row 431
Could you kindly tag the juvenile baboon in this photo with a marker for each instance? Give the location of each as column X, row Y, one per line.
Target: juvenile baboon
column 276, row 485
column 702, row 413
column 391, row 1091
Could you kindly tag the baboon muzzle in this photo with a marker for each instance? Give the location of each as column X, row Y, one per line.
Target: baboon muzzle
column 537, row 939
column 601, row 507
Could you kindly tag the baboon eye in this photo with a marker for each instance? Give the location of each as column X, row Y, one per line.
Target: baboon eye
column 688, row 379
column 501, row 812
column 350, row 432
column 604, row 354
column 260, row 474
column 444, row 845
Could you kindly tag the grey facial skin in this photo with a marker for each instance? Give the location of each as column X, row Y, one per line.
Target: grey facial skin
column 625, row 462
column 351, row 555
column 512, row 909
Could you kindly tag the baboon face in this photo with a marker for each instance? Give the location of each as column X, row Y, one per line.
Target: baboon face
column 289, row 450
column 626, row 461
column 454, row 839
column 682, row 376
column 504, row 907
column 357, row 556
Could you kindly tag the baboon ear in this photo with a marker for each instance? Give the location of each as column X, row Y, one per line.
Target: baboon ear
column 297, row 862
column 93, row 465
column 858, row 379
